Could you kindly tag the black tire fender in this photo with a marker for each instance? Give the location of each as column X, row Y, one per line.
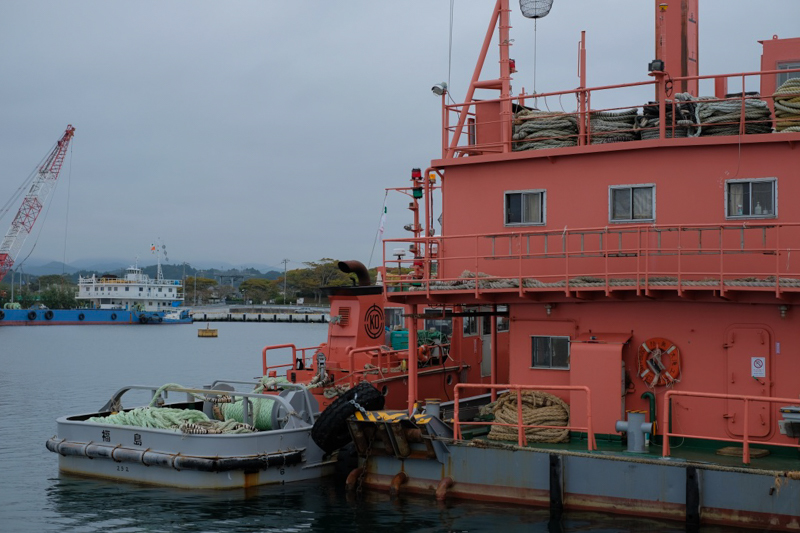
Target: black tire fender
column 81, row 316
column 113, row 316
column 48, row 315
column 330, row 430
column 32, row 315
column 2, row 314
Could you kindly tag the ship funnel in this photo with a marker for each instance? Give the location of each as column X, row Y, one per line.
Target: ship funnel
column 357, row 268
column 535, row 9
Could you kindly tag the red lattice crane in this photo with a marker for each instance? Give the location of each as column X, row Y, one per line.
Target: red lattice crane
column 33, row 202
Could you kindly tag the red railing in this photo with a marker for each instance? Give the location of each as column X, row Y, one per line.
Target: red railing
column 745, row 440
column 303, row 353
column 485, row 121
column 741, row 255
column 521, row 438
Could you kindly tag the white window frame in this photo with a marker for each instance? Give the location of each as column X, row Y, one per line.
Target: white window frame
column 782, row 77
column 729, row 216
column 551, row 367
column 543, row 207
column 611, row 190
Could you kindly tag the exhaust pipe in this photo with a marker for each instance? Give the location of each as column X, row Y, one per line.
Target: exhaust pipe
column 357, row 268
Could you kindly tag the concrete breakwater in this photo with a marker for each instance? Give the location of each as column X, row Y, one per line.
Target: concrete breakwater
column 257, row 315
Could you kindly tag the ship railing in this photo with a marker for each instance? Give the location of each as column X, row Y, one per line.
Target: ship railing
column 737, row 255
column 540, row 121
column 522, row 439
column 306, row 356
column 745, row 440
column 383, row 358
column 383, row 355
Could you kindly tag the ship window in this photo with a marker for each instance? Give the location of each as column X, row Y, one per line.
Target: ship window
column 502, row 321
column 159, row 289
column 550, row 352
column 524, row 207
column 751, row 198
column 470, row 325
column 784, row 76
column 442, row 325
column 632, row 203
column 127, row 288
column 141, row 289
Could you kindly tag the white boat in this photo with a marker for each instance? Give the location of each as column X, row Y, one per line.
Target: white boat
column 267, row 441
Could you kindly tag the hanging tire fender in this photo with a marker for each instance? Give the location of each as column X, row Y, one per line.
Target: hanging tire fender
column 330, row 430
column 48, row 315
column 32, row 315
column 2, row 314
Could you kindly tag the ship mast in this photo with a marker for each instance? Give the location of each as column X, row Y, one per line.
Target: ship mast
column 33, row 202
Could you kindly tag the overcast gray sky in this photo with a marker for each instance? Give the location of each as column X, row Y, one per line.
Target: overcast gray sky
column 252, row 131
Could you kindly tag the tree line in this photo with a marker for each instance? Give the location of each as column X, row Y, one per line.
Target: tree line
column 203, row 287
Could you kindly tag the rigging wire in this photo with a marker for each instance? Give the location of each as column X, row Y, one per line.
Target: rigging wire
column 380, row 229
column 66, row 217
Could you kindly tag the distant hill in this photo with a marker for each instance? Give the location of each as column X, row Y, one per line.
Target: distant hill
column 87, row 267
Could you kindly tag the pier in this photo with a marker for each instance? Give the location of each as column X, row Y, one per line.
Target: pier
column 257, row 314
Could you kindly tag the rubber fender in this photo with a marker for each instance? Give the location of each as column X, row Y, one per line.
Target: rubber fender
column 330, row 430
column 2, row 314
column 48, row 315
column 81, row 316
column 113, row 316
column 32, row 315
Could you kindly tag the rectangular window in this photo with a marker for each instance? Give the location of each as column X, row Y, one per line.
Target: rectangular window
column 751, row 198
column 632, row 203
column 524, row 207
column 502, row 321
column 442, row 325
column 394, row 319
column 470, row 325
column 784, row 76
column 550, row 352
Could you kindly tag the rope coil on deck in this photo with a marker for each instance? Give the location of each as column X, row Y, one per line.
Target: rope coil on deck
column 536, row 130
column 613, row 127
column 787, row 106
column 538, row 408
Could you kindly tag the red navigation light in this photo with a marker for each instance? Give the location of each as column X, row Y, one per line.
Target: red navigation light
column 512, row 65
column 416, row 174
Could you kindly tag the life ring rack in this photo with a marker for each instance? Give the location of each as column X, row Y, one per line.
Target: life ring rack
column 652, row 369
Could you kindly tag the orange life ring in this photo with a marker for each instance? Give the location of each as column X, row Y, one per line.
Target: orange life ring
column 423, row 353
column 651, row 367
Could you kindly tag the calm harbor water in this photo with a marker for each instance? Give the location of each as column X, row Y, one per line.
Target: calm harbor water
column 47, row 372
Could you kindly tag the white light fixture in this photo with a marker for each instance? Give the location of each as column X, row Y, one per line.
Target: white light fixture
column 439, row 89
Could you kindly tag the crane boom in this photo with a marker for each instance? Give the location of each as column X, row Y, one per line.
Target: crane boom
column 33, row 202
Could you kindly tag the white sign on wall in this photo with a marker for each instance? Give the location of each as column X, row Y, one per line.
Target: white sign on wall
column 758, row 367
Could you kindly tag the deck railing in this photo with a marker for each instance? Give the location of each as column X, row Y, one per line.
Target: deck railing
column 745, row 440
column 303, row 354
column 521, row 437
column 550, row 126
column 740, row 255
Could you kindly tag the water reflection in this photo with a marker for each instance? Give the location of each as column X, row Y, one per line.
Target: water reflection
column 91, row 505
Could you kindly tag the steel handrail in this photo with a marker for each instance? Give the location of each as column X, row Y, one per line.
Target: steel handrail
column 745, row 440
column 767, row 232
column 660, row 81
column 303, row 351
column 521, row 438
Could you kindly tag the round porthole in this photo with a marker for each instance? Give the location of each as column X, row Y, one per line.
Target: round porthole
column 449, row 379
column 385, row 390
